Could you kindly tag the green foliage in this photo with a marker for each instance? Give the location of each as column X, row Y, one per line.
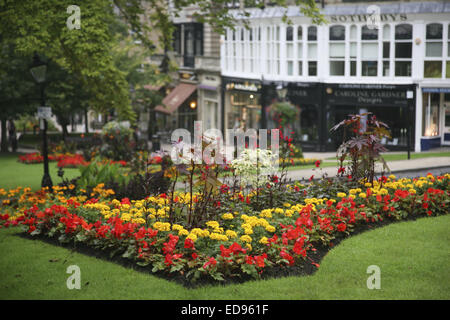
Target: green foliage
column 117, row 141
column 96, row 173
column 284, row 113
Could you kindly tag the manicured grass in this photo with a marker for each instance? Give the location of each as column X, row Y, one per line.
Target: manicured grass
column 14, row 173
column 404, row 155
column 413, row 258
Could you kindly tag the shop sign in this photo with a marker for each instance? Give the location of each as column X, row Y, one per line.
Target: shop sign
column 246, row 86
column 375, row 95
column 391, row 17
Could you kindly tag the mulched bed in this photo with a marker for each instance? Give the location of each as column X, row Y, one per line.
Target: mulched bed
column 301, row 268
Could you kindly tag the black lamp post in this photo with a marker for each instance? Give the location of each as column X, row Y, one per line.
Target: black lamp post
column 281, row 91
column 38, row 70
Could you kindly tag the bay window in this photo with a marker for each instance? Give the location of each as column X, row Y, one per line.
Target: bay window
column 403, row 50
column 369, row 52
column 433, row 51
column 312, row 51
column 337, row 50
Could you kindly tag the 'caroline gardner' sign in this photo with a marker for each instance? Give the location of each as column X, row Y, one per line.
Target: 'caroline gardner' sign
column 376, row 95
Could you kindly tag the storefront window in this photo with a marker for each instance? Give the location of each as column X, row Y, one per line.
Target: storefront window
column 430, row 121
column 306, row 129
column 246, row 110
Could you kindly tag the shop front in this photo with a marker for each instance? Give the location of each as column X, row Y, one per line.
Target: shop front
column 178, row 110
column 307, row 128
column 391, row 104
column 435, row 118
column 242, row 104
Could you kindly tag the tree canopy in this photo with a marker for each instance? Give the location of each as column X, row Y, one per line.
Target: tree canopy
column 87, row 54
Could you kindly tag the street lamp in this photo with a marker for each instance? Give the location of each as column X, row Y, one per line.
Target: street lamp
column 38, row 70
column 281, row 91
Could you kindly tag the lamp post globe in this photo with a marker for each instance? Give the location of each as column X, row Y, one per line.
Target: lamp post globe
column 38, row 70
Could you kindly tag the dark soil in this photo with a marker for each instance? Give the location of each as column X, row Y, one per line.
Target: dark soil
column 301, row 267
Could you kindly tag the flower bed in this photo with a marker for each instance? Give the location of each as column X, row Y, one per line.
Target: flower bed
column 66, row 160
column 240, row 242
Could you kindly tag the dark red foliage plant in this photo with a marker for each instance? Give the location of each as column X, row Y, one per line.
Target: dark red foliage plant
column 362, row 145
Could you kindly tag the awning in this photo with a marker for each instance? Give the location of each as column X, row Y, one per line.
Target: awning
column 436, row 90
column 176, row 97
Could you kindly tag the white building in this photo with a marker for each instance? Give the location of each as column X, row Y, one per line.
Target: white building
column 397, row 67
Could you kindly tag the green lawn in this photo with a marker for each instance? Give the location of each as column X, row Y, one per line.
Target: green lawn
column 14, row 173
column 413, row 258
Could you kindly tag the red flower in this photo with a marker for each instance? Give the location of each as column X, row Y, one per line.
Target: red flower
column 194, row 256
column 236, row 248
column 189, row 244
column 125, row 201
column 210, row 262
column 224, row 252
column 317, row 163
column 341, row 227
column 287, row 256
column 260, row 260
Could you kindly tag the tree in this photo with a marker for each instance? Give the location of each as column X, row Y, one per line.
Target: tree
column 18, row 90
column 85, row 53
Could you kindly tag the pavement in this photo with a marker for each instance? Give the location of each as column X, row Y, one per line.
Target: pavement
column 398, row 166
column 411, row 167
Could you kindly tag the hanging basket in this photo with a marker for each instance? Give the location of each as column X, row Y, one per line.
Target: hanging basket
column 283, row 113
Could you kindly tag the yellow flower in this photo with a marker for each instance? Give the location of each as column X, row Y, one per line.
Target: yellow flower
column 363, row 195
column 412, row 191
column 231, row 234
column 213, row 224
column 192, row 236
column 246, row 238
column 227, row 216
column 263, row 240
column 176, row 227
column 218, row 236
column 162, row 226
column 341, row 194
column 249, row 246
column 183, row 232
column 270, row 228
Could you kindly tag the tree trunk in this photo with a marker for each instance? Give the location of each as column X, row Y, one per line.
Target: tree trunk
column 65, row 133
column 86, row 123
column 4, row 143
column 152, row 127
